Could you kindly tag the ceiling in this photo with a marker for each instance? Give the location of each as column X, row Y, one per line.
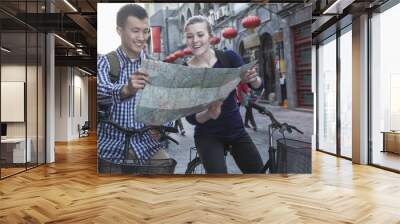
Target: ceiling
column 329, row 13
column 76, row 25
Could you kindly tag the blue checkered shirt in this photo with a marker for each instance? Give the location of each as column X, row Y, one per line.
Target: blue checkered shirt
column 110, row 141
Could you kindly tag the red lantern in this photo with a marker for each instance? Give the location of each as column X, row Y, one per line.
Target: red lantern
column 251, row 22
column 167, row 59
column 179, row 54
column 214, row 40
column 229, row 33
column 155, row 37
column 187, row 51
column 173, row 57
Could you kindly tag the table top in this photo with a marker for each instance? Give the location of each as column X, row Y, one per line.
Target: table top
column 392, row 132
column 13, row 140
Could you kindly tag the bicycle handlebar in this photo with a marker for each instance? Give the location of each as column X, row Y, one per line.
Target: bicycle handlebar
column 289, row 128
column 263, row 110
column 296, row 129
column 282, row 127
column 132, row 131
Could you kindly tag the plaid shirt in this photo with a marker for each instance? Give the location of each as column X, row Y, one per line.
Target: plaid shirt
column 110, row 141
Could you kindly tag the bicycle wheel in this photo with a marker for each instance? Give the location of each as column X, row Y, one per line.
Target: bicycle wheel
column 195, row 167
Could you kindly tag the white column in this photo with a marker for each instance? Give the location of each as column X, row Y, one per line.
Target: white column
column 62, row 103
column 50, row 92
column 50, row 101
column 314, row 91
column 360, row 90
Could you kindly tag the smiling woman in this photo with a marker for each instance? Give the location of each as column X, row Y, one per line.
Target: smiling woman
column 211, row 132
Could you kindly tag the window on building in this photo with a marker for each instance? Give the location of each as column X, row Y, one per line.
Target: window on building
column 327, row 95
column 385, row 88
column 346, row 92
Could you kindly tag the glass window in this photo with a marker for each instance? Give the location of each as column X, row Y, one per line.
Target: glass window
column 22, row 91
column 31, row 99
column 327, row 95
column 308, row 99
column 385, row 89
column 305, row 55
column 346, row 93
column 15, row 150
column 41, row 99
column 307, row 79
column 305, row 31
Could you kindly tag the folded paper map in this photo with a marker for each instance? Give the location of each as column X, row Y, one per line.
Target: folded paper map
column 176, row 91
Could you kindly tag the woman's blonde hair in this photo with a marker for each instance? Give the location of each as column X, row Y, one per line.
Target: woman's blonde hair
column 198, row 19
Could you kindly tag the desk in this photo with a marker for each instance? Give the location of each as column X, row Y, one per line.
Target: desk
column 391, row 141
column 13, row 150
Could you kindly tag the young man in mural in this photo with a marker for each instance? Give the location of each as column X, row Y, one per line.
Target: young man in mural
column 116, row 92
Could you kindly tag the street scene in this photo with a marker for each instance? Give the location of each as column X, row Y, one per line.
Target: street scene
column 273, row 40
column 278, row 36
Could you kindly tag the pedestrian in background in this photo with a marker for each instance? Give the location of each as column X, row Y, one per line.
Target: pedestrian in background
column 244, row 98
column 179, row 126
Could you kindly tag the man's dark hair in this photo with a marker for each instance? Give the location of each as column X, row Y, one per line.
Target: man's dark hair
column 130, row 10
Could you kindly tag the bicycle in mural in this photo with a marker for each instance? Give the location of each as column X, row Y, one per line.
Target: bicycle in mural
column 285, row 156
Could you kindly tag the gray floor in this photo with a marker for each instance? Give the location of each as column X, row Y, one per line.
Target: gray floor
column 302, row 120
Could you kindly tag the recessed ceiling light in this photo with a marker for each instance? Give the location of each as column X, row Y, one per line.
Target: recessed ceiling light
column 84, row 71
column 70, row 5
column 64, row 40
column 338, row 6
column 5, row 50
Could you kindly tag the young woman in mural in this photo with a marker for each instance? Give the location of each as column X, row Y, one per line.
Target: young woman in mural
column 221, row 124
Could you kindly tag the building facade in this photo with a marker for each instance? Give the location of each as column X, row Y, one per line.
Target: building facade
column 283, row 47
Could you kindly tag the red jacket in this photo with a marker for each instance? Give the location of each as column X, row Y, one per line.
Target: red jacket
column 242, row 89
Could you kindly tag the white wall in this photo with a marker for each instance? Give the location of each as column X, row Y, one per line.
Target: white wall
column 17, row 73
column 80, row 100
column 33, row 126
column 12, row 73
column 71, row 93
column 61, row 103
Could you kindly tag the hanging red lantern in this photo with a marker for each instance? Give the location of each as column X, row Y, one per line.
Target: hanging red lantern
column 251, row 22
column 187, row 51
column 215, row 40
column 179, row 54
column 229, row 33
column 167, row 59
column 173, row 57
